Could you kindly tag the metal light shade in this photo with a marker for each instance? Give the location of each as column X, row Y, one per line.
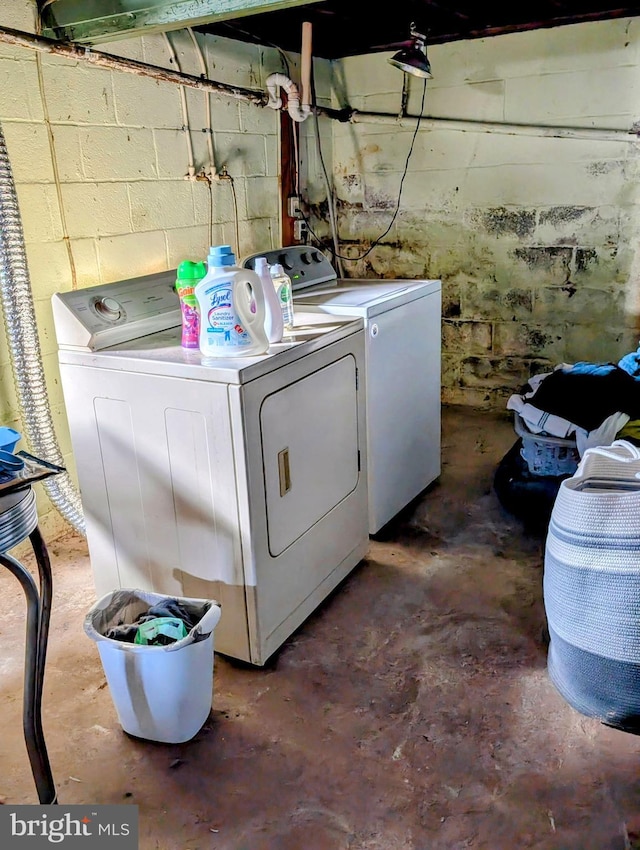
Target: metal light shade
column 413, row 60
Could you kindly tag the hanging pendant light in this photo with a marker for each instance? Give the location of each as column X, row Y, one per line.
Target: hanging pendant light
column 413, row 58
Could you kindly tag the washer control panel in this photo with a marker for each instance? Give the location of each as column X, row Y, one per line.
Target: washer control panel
column 100, row 316
column 306, row 266
column 108, row 308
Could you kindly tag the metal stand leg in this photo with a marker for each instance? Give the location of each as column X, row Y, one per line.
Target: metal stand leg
column 46, row 595
column 38, row 614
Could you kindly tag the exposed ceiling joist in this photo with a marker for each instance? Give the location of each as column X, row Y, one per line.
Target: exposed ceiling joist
column 350, row 27
column 97, row 21
column 340, row 27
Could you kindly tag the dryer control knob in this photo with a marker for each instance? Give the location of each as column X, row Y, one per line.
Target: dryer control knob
column 317, row 257
column 108, row 308
column 285, row 262
column 306, row 259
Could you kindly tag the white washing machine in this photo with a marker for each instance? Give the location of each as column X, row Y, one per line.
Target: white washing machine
column 403, row 343
column 241, row 479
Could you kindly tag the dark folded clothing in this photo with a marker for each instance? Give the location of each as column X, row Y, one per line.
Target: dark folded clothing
column 127, row 633
column 171, row 608
column 587, row 399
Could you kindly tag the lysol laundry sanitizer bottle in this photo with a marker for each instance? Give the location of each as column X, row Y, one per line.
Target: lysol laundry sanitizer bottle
column 231, row 304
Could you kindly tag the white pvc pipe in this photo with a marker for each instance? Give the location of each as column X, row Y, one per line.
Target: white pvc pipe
column 185, row 114
column 207, row 101
column 274, row 83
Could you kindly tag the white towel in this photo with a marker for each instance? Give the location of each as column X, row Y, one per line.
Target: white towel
column 540, row 421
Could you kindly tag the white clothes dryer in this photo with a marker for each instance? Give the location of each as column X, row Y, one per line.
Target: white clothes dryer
column 242, row 480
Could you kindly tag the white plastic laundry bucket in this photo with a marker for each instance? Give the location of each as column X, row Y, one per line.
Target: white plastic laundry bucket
column 161, row 693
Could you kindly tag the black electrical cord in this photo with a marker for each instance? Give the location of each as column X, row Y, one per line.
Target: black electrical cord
column 397, row 209
column 329, row 187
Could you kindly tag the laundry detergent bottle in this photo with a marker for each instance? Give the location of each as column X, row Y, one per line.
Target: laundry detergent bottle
column 273, row 323
column 231, row 305
column 282, row 285
column 187, row 277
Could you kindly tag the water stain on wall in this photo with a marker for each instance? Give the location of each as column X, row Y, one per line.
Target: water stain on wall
column 585, row 257
column 604, row 167
column 493, row 263
column 451, row 308
column 500, row 220
column 517, row 299
column 545, row 257
column 560, row 215
column 538, row 340
column 379, row 200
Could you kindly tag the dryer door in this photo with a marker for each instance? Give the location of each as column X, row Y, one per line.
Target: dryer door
column 310, row 450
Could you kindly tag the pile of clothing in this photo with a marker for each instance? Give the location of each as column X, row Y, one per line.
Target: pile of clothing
column 594, row 403
column 167, row 622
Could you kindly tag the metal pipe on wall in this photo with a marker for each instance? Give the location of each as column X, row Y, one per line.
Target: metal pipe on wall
column 16, row 297
column 131, row 66
column 470, row 125
column 16, row 301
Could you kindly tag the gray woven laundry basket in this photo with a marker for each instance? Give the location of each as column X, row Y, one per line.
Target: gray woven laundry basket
column 592, row 587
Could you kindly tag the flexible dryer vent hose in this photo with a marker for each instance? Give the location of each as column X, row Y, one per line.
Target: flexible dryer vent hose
column 16, row 302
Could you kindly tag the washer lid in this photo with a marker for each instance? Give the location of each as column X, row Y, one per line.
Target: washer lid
column 366, row 293
column 356, row 296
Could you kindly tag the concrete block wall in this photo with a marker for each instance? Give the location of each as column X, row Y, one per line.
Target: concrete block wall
column 534, row 237
column 105, row 196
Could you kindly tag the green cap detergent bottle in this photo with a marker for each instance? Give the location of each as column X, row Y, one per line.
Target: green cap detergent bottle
column 188, row 275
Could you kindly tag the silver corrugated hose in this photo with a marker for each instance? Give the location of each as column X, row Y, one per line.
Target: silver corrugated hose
column 16, row 301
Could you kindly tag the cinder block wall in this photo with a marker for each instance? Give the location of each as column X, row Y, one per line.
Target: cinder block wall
column 535, row 238
column 105, row 197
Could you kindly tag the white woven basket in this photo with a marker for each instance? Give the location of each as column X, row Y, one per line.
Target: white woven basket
column 592, row 586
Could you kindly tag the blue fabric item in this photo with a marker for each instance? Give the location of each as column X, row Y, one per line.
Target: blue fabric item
column 583, row 367
column 631, row 363
column 587, row 399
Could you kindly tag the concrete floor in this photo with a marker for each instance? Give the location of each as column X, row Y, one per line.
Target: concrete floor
column 411, row 712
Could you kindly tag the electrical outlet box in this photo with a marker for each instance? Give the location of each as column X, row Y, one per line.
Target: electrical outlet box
column 299, row 230
column 294, row 206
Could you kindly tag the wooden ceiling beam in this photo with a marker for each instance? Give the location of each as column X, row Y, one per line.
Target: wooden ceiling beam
column 96, row 21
